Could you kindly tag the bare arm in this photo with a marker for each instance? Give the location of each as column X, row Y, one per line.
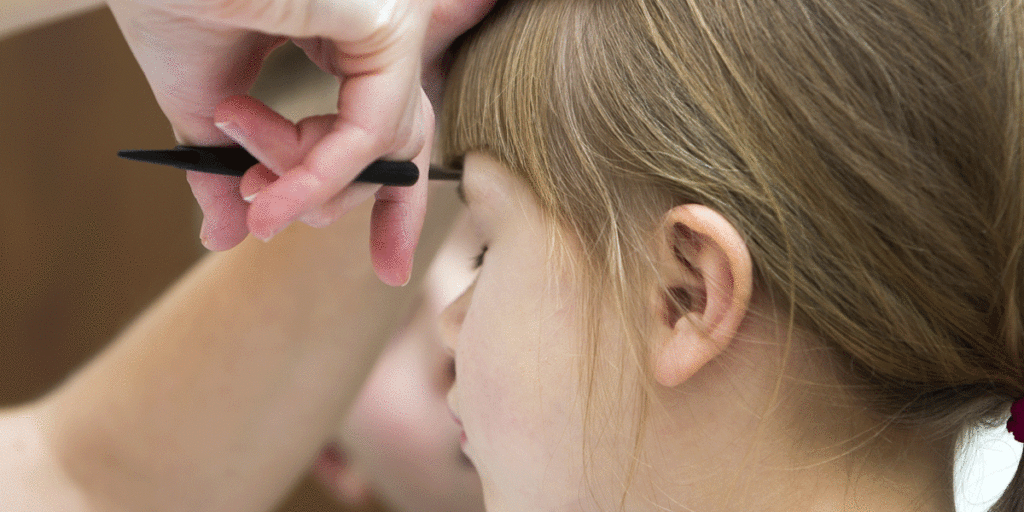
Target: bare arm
column 219, row 396
column 17, row 15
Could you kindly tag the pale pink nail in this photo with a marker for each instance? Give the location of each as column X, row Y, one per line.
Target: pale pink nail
column 204, row 234
column 232, row 130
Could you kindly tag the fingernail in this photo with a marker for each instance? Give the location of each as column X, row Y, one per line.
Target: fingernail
column 266, row 238
column 232, row 130
column 408, row 276
column 204, row 234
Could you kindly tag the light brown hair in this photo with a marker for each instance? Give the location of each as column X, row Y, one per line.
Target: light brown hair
column 868, row 151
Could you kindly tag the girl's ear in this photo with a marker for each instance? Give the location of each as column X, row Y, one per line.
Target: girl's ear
column 707, row 282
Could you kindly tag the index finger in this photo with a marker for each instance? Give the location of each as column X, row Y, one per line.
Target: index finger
column 380, row 115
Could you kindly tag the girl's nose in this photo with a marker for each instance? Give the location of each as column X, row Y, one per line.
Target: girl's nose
column 452, row 318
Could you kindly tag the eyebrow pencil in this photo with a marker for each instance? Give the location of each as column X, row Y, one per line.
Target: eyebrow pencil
column 234, row 161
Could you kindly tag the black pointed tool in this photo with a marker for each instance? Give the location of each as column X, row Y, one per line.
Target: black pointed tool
column 234, row 161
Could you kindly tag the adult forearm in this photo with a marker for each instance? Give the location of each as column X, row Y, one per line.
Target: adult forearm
column 17, row 15
column 220, row 394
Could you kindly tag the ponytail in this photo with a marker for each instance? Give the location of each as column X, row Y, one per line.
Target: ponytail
column 1012, row 499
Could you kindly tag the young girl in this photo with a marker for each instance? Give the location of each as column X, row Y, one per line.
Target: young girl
column 738, row 255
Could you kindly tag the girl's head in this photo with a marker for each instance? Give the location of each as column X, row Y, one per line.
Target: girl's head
column 783, row 235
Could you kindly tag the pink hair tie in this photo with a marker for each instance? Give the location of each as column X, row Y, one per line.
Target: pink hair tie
column 1016, row 422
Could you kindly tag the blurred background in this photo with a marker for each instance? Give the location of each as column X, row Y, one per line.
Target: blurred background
column 89, row 240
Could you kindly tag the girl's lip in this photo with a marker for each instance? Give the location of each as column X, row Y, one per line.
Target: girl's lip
column 462, row 434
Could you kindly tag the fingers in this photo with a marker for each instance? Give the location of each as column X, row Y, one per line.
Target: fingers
column 223, row 210
column 255, row 179
column 352, row 196
column 380, row 116
column 196, row 53
column 397, row 219
column 263, row 132
column 398, row 213
column 349, row 21
column 275, row 141
column 395, row 226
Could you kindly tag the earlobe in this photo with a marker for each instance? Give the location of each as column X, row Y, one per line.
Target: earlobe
column 707, row 285
column 684, row 352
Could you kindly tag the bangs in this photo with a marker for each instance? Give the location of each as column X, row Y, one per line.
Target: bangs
column 584, row 107
column 500, row 93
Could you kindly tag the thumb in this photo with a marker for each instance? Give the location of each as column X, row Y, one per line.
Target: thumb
column 398, row 216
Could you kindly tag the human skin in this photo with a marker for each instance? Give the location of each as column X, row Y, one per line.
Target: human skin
column 220, row 395
column 197, row 53
column 216, row 411
column 399, row 440
column 515, row 380
column 189, row 410
column 515, row 335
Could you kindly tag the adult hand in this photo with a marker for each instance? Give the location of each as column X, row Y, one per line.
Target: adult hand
column 197, row 53
column 280, row 145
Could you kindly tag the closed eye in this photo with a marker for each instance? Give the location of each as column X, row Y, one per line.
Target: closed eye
column 478, row 260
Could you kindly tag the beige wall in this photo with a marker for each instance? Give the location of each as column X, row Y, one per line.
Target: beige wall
column 87, row 239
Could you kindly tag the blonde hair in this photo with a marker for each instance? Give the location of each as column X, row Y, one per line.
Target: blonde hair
column 869, row 153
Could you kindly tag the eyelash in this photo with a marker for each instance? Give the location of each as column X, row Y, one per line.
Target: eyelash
column 478, row 260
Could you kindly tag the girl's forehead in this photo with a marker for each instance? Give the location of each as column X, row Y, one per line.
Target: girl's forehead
column 486, row 182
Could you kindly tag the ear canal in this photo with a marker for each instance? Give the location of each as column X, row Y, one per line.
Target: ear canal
column 677, row 302
column 682, row 300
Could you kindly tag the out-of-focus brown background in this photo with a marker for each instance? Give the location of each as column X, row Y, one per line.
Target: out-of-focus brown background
column 86, row 240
